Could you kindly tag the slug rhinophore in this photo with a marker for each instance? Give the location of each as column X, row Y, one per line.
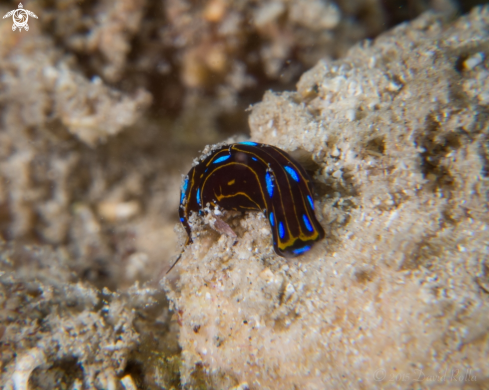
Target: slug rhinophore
column 249, row 176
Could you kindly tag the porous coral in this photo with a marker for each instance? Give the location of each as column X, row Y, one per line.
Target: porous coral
column 59, row 332
column 396, row 295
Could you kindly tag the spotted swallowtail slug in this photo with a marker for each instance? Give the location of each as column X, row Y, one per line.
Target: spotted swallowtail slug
column 248, row 176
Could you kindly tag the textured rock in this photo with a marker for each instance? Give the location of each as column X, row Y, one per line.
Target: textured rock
column 59, row 332
column 396, row 295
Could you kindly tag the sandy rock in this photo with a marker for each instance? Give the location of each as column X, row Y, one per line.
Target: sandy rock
column 393, row 297
column 57, row 330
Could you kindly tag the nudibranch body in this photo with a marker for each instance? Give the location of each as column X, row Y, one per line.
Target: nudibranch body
column 249, row 176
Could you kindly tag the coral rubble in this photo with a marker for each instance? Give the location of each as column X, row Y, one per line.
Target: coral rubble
column 57, row 331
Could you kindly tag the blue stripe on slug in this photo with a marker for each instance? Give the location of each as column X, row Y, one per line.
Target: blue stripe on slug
column 307, row 223
column 272, row 222
column 254, row 158
column 300, row 251
column 248, row 143
column 281, row 230
column 184, row 189
column 221, row 159
column 310, row 201
column 293, row 174
column 268, row 180
column 198, row 197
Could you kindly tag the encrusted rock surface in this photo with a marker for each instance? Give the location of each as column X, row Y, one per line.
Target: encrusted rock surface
column 57, row 331
column 396, row 296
